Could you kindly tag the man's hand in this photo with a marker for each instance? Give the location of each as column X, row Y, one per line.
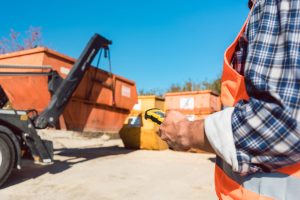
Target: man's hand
column 182, row 135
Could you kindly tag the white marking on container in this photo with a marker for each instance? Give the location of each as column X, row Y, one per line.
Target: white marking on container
column 64, row 70
column 125, row 91
column 191, row 117
column 187, row 103
column 138, row 106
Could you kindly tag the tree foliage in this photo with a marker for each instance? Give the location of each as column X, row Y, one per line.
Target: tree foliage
column 156, row 92
column 186, row 86
column 17, row 41
column 190, row 85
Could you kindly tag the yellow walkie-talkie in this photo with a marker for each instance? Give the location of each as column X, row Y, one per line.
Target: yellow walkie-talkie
column 155, row 115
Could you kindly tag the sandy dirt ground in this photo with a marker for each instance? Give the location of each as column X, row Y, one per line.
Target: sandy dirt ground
column 100, row 168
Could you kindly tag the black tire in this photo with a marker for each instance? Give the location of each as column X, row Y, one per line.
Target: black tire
column 7, row 157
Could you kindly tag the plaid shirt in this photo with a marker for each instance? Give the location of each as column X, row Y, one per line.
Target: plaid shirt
column 266, row 128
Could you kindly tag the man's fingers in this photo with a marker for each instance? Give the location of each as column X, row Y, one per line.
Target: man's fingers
column 173, row 116
column 162, row 129
column 173, row 128
column 163, row 133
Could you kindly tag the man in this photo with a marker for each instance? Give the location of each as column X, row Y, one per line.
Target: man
column 257, row 137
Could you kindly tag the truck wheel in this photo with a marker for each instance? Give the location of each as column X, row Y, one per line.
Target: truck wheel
column 7, row 157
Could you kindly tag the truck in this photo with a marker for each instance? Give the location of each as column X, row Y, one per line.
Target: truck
column 19, row 128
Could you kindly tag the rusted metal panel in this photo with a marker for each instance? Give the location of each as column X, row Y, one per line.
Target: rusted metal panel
column 193, row 103
column 101, row 102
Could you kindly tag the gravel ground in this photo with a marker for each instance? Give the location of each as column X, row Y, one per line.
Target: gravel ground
column 100, row 168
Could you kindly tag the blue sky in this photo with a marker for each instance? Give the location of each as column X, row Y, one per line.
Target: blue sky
column 155, row 43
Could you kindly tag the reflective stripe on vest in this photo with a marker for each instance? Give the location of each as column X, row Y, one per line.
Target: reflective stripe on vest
column 263, row 186
column 282, row 184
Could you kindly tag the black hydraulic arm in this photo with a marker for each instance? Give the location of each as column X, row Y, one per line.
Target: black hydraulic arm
column 66, row 89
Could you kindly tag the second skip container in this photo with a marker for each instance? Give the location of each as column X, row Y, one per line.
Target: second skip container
column 139, row 133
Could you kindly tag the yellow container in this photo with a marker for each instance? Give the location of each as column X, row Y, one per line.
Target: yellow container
column 145, row 103
column 140, row 138
column 139, row 133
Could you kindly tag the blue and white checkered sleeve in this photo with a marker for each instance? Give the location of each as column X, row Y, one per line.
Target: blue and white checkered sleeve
column 266, row 128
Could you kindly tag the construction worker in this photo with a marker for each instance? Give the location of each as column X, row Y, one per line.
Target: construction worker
column 257, row 136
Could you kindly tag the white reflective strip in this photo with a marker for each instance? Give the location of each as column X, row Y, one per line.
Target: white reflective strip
column 7, row 112
column 273, row 185
column 21, row 113
column 47, row 161
column 12, row 112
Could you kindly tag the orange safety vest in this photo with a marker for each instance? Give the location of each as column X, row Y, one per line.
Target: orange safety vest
column 284, row 183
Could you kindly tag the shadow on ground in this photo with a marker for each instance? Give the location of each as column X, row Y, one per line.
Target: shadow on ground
column 73, row 156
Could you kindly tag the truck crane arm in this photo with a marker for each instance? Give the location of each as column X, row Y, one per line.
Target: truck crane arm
column 67, row 87
column 18, row 129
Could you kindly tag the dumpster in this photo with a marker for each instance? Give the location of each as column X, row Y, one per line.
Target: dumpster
column 101, row 102
column 139, row 133
column 195, row 104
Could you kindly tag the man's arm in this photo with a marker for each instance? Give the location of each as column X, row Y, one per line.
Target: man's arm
column 212, row 135
column 181, row 134
column 266, row 128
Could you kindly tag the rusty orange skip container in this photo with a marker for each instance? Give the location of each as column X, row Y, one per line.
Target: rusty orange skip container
column 101, row 102
column 194, row 104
